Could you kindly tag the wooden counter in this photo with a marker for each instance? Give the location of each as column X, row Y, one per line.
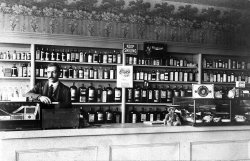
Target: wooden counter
column 127, row 142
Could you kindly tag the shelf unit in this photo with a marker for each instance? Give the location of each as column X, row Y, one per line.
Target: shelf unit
column 31, row 40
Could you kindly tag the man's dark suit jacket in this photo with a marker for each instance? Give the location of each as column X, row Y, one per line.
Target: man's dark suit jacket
column 61, row 94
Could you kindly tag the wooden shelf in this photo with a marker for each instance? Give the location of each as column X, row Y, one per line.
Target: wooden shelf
column 224, row 69
column 77, row 63
column 11, row 60
column 179, row 82
column 79, row 79
column 160, row 66
column 15, row 78
column 150, row 104
column 97, row 103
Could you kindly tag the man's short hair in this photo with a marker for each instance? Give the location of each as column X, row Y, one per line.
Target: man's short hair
column 58, row 68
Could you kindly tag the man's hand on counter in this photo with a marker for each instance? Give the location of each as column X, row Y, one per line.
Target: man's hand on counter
column 44, row 99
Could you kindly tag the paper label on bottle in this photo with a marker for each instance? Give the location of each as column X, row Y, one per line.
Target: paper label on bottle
column 91, row 117
column 151, row 117
column 109, row 116
column 134, row 118
column 143, row 117
column 100, row 117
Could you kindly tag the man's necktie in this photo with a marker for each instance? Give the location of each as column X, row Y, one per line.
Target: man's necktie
column 50, row 91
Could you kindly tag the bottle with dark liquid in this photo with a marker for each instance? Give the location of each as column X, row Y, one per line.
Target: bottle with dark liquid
column 91, row 116
column 118, row 94
column 82, row 94
column 144, row 92
column 117, row 116
column 156, row 94
column 110, row 95
column 99, row 116
column 158, row 114
column 73, row 92
column 91, row 93
column 70, row 72
column 129, row 95
column 109, row 116
column 169, row 94
column 99, row 94
column 150, row 95
column 163, row 95
column 137, row 94
column 143, row 115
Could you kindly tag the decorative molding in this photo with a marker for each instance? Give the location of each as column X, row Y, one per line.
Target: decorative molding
column 137, row 148
column 40, row 154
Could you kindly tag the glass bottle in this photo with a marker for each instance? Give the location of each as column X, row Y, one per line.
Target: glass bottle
column 82, row 94
column 150, row 94
column 91, row 73
column 58, row 55
column 14, row 71
column 144, row 92
column 91, row 93
column 64, row 57
column 73, row 92
column 81, row 56
column 133, row 116
column 53, row 55
column 77, row 54
column 143, row 115
column 68, row 59
column 80, row 73
column 117, row 116
column 90, row 57
column 73, row 56
column 47, row 55
column 99, row 116
column 108, row 116
column 110, row 97
column 129, row 96
column 163, row 95
column 104, row 95
column 137, row 94
column 91, row 116
column 99, row 94
column 24, row 69
column 70, row 72
column 169, row 94
column 156, row 94
column 42, row 54
column 118, row 94
column 38, row 54
column 29, row 70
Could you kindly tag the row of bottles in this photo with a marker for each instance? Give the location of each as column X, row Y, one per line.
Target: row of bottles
column 155, row 94
column 225, row 77
column 75, row 55
column 15, row 55
column 93, row 94
column 226, row 64
column 170, row 61
column 167, row 75
column 84, row 73
column 101, row 116
column 22, row 70
column 12, row 92
column 135, row 116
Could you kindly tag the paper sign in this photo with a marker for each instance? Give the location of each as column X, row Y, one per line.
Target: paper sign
column 130, row 48
column 125, row 76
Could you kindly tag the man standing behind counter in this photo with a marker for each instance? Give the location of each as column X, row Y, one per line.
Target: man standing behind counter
column 53, row 90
